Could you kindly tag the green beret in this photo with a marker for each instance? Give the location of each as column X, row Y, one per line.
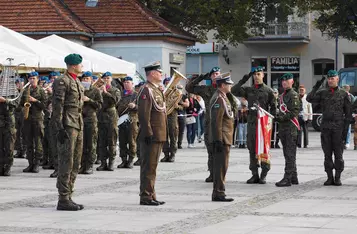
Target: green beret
column 257, row 69
column 332, row 73
column 73, row 59
column 287, row 76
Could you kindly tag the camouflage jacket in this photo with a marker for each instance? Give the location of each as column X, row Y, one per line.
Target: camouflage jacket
column 108, row 111
column 37, row 108
column 291, row 99
column 123, row 106
column 7, row 117
column 93, row 105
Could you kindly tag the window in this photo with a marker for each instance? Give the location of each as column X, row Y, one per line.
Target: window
column 321, row 69
column 347, row 78
column 350, row 60
column 317, row 69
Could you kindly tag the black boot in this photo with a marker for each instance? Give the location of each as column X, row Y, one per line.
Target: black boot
column 262, row 179
column 111, row 165
column 67, row 205
column 138, row 162
column 28, row 169
column 166, row 158
column 48, row 167
column 7, row 170
column 330, row 180
column 171, row 158
column 254, row 179
column 338, row 178
column 54, row 174
column 1, row 170
column 36, row 167
column 277, row 146
column 123, row 163
column 179, row 145
column 82, row 169
column 19, row 154
column 209, row 179
column 294, row 179
column 103, row 166
column 130, row 163
column 97, row 162
column 285, row 182
column 88, row 170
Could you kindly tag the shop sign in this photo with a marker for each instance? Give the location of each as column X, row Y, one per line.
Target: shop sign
column 285, row 64
column 203, row 48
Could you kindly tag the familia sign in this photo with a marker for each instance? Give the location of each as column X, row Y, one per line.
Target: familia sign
column 285, row 64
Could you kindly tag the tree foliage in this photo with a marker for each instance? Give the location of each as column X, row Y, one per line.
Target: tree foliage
column 232, row 20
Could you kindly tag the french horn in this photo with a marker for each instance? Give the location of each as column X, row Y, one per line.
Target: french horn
column 172, row 94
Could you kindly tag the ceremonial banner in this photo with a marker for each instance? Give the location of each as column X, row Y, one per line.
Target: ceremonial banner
column 263, row 135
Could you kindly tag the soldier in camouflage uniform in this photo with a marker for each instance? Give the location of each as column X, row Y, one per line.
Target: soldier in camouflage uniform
column 93, row 102
column 289, row 106
column 336, row 117
column 7, row 134
column 108, row 124
column 128, row 130
column 206, row 92
column 20, row 146
column 46, row 164
column 258, row 94
column 33, row 125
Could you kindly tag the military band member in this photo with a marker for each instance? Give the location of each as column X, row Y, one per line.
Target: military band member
column 67, row 122
column 258, row 94
column 336, row 117
column 289, row 106
column 47, row 161
column 152, row 133
column 137, row 163
column 128, row 130
column 221, row 136
column 181, row 117
column 7, row 134
column 20, row 146
column 33, row 125
column 108, row 124
column 92, row 103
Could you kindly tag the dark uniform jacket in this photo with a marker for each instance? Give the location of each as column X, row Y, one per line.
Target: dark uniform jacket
column 67, row 103
column 152, row 113
column 93, row 105
column 36, row 110
column 222, row 119
column 110, row 100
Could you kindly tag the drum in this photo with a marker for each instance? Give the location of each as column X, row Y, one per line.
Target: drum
column 123, row 119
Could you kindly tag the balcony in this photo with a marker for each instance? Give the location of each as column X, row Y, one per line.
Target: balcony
column 292, row 32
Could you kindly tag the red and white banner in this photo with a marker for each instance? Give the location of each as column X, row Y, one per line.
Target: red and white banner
column 263, row 135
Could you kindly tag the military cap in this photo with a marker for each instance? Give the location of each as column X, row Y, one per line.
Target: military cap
column 153, row 66
column 73, row 59
column 54, row 73
column 44, row 78
column 95, row 77
column 214, row 69
column 140, row 84
column 167, row 79
column 224, row 78
column 107, row 74
column 18, row 80
column 127, row 78
column 287, row 76
column 31, row 74
column 332, row 73
column 87, row 74
column 257, row 69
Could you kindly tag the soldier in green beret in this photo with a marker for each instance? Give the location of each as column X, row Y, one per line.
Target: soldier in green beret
column 336, row 117
column 67, row 122
column 289, row 107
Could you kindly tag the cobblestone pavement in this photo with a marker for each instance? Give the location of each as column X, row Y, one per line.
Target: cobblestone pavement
column 28, row 201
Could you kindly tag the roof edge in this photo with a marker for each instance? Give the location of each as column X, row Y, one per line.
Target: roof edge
column 144, row 35
column 58, row 32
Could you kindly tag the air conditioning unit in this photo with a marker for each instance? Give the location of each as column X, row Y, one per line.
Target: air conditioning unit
column 91, row 3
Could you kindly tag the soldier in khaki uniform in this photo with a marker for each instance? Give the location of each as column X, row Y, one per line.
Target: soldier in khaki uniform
column 67, row 122
column 152, row 133
column 221, row 135
column 128, row 130
column 108, row 124
column 93, row 102
column 33, row 125
column 7, row 134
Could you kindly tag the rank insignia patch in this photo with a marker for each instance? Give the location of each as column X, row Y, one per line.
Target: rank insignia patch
column 216, row 105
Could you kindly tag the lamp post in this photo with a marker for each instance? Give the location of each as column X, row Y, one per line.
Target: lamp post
column 225, row 53
column 336, row 55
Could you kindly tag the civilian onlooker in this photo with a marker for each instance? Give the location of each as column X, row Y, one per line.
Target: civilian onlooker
column 235, row 129
column 305, row 116
column 347, row 88
column 275, row 136
column 242, row 125
column 201, row 118
column 182, row 117
column 191, row 123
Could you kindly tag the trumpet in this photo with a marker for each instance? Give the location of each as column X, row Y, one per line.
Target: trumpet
column 27, row 103
column 98, row 83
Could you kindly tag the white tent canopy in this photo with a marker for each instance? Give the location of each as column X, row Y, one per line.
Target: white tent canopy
column 10, row 55
column 100, row 62
column 44, row 56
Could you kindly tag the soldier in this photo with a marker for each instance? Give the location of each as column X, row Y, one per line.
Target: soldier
column 128, row 130
column 137, row 163
column 170, row 145
column 336, row 117
column 47, row 161
column 152, row 134
column 93, row 102
column 289, row 106
column 258, row 94
column 33, row 124
column 181, row 117
column 206, row 92
column 7, row 134
column 97, row 161
column 67, row 122
column 221, row 135
column 20, row 146
column 108, row 124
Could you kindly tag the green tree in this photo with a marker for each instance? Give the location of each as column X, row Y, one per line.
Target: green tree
column 231, row 19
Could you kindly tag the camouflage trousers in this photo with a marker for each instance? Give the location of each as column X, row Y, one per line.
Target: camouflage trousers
column 128, row 134
column 7, row 144
column 53, row 156
column 69, row 159
column 107, row 140
column 331, row 142
column 90, row 138
column 34, row 132
column 20, row 138
column 251, row 138
column 288, row 137
column 46, row 143
column 170, row 146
